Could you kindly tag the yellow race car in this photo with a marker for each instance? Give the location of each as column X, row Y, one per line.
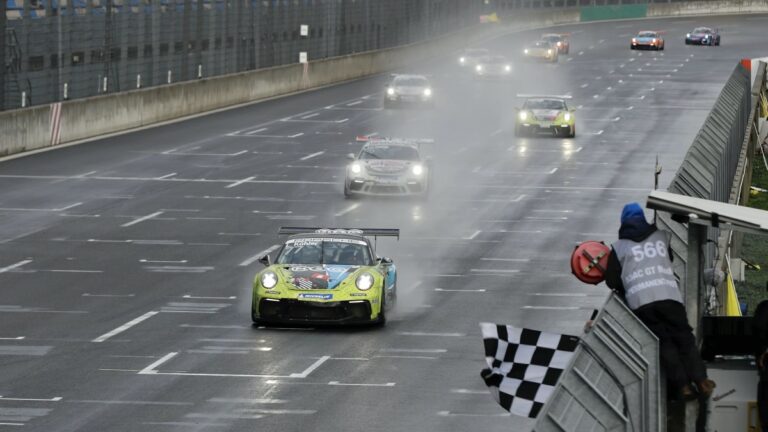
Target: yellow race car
column 541, row 113
column 542, row 50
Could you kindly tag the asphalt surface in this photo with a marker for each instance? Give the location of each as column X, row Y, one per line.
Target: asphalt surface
column 125, row 264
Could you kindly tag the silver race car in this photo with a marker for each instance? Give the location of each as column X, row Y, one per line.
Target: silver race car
column 388, row 166
column 414, row 89
column 493, row 66
column 469, row 57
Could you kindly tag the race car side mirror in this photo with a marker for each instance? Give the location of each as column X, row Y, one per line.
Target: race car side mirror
column 351, row 156
column 265, row 260
column 385, row 260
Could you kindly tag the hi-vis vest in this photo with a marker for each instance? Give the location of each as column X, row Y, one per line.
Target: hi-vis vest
column 646, row 270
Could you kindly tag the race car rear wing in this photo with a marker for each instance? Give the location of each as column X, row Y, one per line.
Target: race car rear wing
column 526, row 96
column 392, row 140
column 369, row 232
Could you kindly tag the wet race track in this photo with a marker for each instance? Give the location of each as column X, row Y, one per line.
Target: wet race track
column 126, row 263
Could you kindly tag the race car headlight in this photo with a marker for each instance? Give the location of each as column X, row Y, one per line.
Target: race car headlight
column 559, row 44
column 479, row 68
column 653, row 41
column 634, row 40
column 523, row 115
column 390, row 91
column 268, row 279
column 364, row 282
column 688, row 35
column 417, row 170
column 428, row 92
column 525, row 51
column 567, row 116
column 507, row 68
column 462, row 60
column 355, row 168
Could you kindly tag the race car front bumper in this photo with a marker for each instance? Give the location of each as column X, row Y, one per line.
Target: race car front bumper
column 409, row 99
column 555, row 128
column 370, row 186
column 700, row 41
column 311, row 312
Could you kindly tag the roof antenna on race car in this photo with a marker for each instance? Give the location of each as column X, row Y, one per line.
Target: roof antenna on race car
column 656, row 174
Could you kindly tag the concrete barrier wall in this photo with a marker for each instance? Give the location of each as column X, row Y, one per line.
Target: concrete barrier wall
column 30, row 129
column 706, row 8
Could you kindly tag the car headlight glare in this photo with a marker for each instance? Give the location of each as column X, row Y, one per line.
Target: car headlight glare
column 654, row 40
column 567, row 116
column 523, row 115
column 355, row 168
column 364, row 282
column 507, row 68
column 390, row 91
column 417, row 170
column 428, row 92
column 479, row 68
column 634, row 40
column 549, row 51
column 688, row 35
column 462, row 60
column 525, row 51
column 268, row 279
column 559, row 44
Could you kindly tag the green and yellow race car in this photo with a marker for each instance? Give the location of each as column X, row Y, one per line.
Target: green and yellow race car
column 325, row 276
column 541, row 113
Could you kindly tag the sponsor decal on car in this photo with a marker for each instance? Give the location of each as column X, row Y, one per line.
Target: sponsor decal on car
column 358, row 294
column 272, row 292
column 315, row 296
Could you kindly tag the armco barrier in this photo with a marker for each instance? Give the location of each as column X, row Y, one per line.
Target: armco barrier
column 613, row 381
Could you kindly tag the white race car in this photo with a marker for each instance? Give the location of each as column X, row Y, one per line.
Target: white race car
column 388, row 166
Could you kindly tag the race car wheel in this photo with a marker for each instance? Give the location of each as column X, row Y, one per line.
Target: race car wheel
column 347, row 194
column 255, row 319
column 567, row 50
column 573, row 132
column 661, row 47
column 518, row 131
column 718, row 42
column 382, row 320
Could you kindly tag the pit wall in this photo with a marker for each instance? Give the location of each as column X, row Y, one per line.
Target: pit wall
column 43, row 127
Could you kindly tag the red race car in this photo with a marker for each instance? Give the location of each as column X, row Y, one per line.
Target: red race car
column 559, row 40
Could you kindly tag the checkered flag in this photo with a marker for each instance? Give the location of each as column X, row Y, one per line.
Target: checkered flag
column 524, row 365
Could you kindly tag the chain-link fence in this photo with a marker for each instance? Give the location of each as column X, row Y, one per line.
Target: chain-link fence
column 65, row 49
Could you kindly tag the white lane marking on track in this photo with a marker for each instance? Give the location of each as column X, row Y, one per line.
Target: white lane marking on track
column 584, row 85
column 431, row 334
column 152, row 368
column 239, row 182
column 473, row 235
column 559, row 294
column 167, row 176
column 354, row 103
column 553, row 307
column 336, row 383
column 453, row 414
column 246, row 401
column 554, row 170
column 189, row 425
column 147, row 179
column 310, row 156
column 415, row 350
column 13, row 338
column 309, row 116
column 506, row 259
column 162, row 261
column 142, row 219
column 600, row 132
column 344, row 120
column 125, row 327
column 475, row 270
column 53, row 399
column 43, row 210
column 347, row 210
column 14, row 266
column 256, row 131
column 256, row 257
column 107, row 295
column 188, row 296
column 460, row 290
column 468, row 391
column 311, row 368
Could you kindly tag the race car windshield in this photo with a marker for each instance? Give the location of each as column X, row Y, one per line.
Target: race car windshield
column 647, row 35
column 552, row 38
column 548, row 104
column 541, row 44
column 411, row 82
column 702, row 30
column 325, row 251
column 404, row 153
column 494, row 59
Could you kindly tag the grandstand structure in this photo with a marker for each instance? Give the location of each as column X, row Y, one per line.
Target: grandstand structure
column 66, row 49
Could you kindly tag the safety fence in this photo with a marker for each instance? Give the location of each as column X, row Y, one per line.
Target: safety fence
column 67, row 49
column 717, row 167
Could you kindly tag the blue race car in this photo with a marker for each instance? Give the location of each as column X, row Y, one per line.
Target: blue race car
column 703, row 36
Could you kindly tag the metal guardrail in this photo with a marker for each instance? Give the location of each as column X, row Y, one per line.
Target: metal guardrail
column 613, row 382
column 714, row 168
